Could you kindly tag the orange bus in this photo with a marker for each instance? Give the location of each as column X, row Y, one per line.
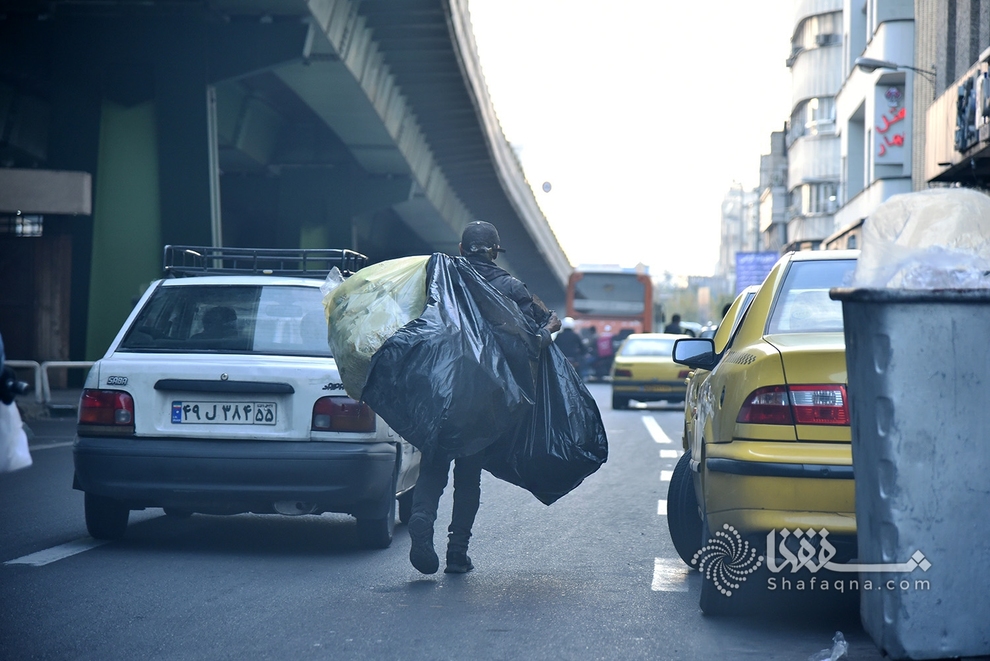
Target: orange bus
column 621, row 298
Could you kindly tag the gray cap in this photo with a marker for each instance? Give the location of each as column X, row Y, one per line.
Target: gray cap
column 480, row 236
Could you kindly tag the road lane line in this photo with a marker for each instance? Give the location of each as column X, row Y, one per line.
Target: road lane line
column 653, row 427
column 669, row 575
column 50, row 446
column 670, row 454
column 666, row 475
column 661, row 508
column 57, row 553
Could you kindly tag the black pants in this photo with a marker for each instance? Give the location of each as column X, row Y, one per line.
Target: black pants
column 467, row 495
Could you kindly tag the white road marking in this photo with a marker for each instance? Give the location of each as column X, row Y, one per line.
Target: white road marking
column 661, row 508
column 669, row 575
column 49, row 446
column 666, row 475
column 653, row 427
column 56, row 553
column 670, row 454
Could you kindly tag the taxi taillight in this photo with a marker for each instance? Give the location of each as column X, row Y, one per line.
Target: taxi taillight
column 106, row 411
column 803, row 405
column 342, row 414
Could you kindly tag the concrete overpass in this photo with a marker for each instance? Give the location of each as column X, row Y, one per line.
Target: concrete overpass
column 283, row 123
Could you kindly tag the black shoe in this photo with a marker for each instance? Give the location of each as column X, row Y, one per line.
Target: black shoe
column 421, row 553
column 458, row 562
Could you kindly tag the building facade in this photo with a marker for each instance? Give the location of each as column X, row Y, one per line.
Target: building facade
column 874, row 112
column 953, row 121
column 812, row 141
column 773, row 198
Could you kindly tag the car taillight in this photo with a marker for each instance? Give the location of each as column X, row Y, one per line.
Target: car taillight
column 767, row 406
column 342, row 414
column 803, row 405
column 683, row 374
column 111, row 411
column 820, row 405
column 625, row 373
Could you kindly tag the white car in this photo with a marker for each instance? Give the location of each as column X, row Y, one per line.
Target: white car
column 219, row 395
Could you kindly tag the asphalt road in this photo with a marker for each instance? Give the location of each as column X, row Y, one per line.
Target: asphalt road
column 593, row 576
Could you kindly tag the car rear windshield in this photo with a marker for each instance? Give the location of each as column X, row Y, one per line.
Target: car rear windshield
column 642, row 346
column 803, row 305
column 269, row 319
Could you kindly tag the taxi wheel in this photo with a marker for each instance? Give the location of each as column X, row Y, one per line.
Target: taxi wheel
column 620, row 403
column 106, row 518
column 683, row 521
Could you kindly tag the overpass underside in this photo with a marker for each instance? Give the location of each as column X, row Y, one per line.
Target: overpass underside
column 282, row 123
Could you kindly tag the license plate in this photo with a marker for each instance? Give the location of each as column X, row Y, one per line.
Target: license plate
column 223, row 413
column 658, row 388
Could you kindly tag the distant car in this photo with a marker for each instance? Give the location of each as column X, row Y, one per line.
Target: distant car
column 643, row 370
column 769, row 448
column 220, row 395
column 691, row 328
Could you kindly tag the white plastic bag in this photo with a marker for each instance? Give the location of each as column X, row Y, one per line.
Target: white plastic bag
column 367, row 308
column 932, row 239
column 14, row 454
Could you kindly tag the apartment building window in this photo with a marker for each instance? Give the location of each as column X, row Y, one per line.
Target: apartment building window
column 813, row 117
column 818, row 31
column 817, row 198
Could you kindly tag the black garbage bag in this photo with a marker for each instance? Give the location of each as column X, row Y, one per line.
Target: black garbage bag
column 565, row 440
column 462, row 375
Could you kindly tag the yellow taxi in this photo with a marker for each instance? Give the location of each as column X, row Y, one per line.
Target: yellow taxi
column 643, row 370
column 768, row 448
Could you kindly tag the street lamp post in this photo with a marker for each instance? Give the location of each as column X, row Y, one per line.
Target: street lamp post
column 869, row 65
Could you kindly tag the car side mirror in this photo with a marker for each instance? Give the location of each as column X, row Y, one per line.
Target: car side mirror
column 696, row 353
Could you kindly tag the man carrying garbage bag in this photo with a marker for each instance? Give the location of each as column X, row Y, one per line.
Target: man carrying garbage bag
column 480, row 245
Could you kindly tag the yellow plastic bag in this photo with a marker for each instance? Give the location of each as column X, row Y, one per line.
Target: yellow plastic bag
column 367, row 308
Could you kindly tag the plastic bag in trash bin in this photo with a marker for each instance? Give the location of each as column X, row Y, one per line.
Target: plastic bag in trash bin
column 462, row 375
column 565, row 441
column 932, row 239
column 366, row 309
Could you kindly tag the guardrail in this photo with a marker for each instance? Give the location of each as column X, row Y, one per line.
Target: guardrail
column 46, row 391
column 38, row 372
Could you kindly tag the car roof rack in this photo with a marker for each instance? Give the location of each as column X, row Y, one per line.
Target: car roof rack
column 185, row 261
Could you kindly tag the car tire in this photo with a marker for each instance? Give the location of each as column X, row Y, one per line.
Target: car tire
column 377, row 533
column 174, row 513
column 405, row 506
column 620, row 403
column 106, row 518
column 683, row 521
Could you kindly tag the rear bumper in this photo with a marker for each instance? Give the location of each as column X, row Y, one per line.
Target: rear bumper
column 650, row 391
column 227, row 477
column 760, row 486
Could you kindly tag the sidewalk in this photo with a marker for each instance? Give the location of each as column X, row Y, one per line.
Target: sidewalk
column 64, row 404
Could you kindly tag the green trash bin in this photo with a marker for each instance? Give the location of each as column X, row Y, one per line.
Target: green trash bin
column 918, row 367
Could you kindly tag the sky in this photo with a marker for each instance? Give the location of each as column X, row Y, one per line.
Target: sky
column 640, row 114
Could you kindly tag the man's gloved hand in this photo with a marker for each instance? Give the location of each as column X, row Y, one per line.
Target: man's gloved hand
column 553, row 323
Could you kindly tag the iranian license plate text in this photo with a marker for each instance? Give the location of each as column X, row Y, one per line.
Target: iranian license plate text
column 224, row 413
